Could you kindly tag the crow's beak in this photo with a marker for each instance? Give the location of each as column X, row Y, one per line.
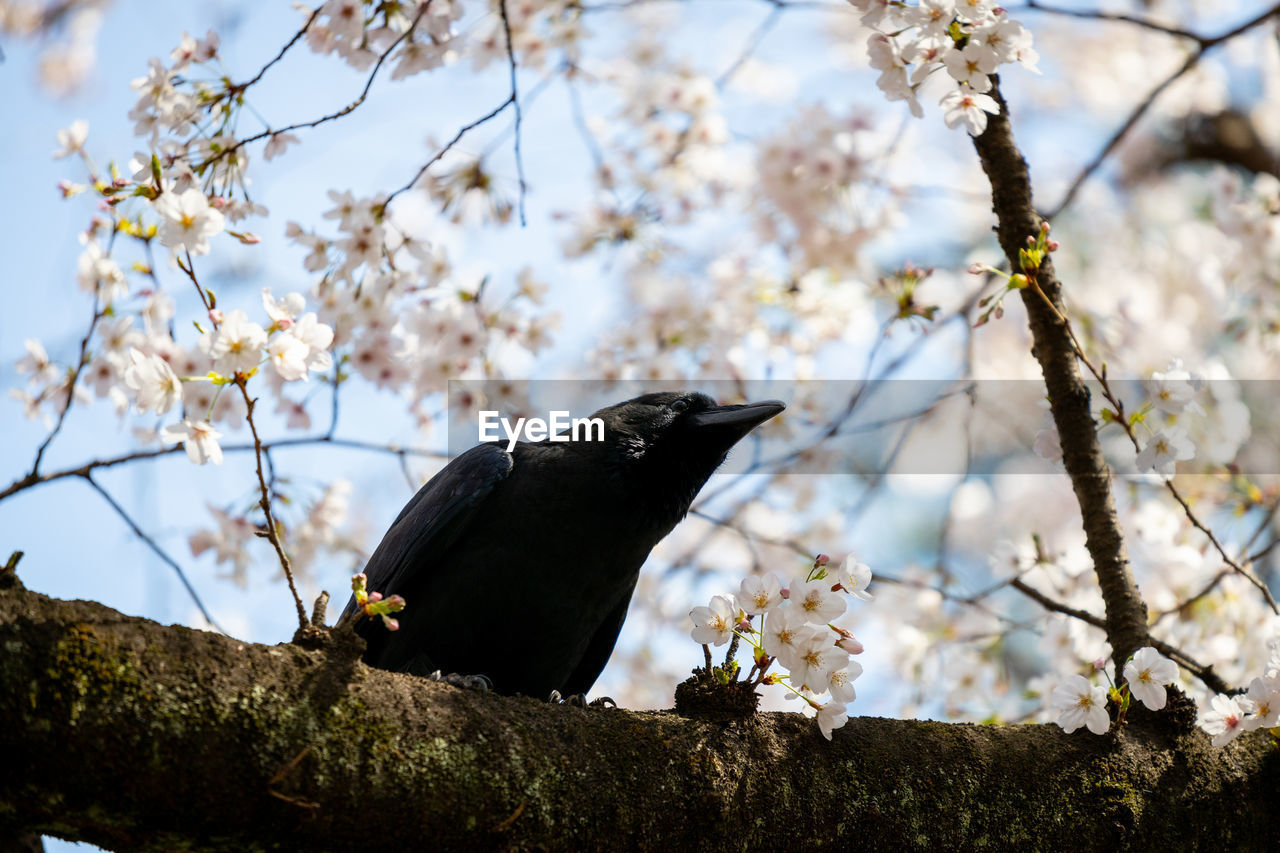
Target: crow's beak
column 737, row 420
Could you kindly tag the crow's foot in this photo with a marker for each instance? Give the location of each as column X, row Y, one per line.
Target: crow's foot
column 473, row 682
column 578, row 700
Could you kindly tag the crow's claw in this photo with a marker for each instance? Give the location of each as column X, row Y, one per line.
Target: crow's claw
column 472, row 682
column 578, row 700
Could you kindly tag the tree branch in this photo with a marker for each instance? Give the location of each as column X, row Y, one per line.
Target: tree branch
column 1054, row 349
column 1205, row 673
column 29, row 481
column 1206, row 44
column 115, row 727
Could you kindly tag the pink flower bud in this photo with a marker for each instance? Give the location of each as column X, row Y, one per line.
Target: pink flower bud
column 218, row 202
column 1052, row 245
column 1044, row 227
column 821, row 560
column 977, row 269
column 392, row 624
column 374, row 597
column 395, row 601
column 850, row 644
column 785, row 592
column 1100, row 664
column 744, row 625
column 215, row 315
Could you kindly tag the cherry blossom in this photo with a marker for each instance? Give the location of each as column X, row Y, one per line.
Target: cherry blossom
column 1264, row 693
column 832, row 716
column 71, row 140
column 1164, row 450
column 236, row 345
column 1080, row 703
column 1226, row 721
column 759, row 595
column 815, row 601
column 786, row 630
column 157, row 387
column 854, row 577
column 1146, row 673
column 713, row 624
column 188, row 221
column 840, row 682
column 972, row 66
column 969, row 108
column 198, row 438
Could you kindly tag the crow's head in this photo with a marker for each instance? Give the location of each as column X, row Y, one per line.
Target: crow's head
column 669, row 443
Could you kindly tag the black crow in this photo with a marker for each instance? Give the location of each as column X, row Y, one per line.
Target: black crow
column 519, row 566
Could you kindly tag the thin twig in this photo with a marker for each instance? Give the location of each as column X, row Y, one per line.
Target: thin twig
column 1199, row 670
column 584, row 132
column 752, row 45
column 29, row 481
column 457, row 137
column 240, row 88
column 349, row 108
column 272, row 532
column 71, row 386
column 1182, row 605
column 515, row 100
column 1096, row 15
column 240, row 380
column 1118, row 405
column 1206, row 44
column 156, row 549
column 333, row 401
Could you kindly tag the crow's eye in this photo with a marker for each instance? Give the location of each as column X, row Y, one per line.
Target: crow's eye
column 679, row 405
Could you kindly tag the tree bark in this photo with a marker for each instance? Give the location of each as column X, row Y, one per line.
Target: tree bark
column 133, row 735
column 1016, row 218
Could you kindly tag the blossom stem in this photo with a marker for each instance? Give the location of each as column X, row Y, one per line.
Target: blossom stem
column 272, row 533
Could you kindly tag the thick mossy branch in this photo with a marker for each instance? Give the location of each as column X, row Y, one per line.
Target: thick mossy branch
column 134, row 735
column 1016, row 218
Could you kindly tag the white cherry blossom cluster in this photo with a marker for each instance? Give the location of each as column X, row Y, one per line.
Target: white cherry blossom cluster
column 537, row 28
column 187, row 120
column 321, row 529
column 1172, row 392
column 1079, row 702
column 668, row 140
column 1231, row 716
column 69, row 31
column 968, row 40
column 402, row 321
column 295, row 343
column 815, row 189
column 360, row 32
column 795, row 629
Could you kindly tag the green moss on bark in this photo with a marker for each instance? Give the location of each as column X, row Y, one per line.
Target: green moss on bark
column 134, row 735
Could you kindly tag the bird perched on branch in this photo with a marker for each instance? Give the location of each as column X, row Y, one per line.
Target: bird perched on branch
column 519, row 566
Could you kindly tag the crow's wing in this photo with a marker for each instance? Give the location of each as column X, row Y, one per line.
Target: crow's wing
column 434, row 518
